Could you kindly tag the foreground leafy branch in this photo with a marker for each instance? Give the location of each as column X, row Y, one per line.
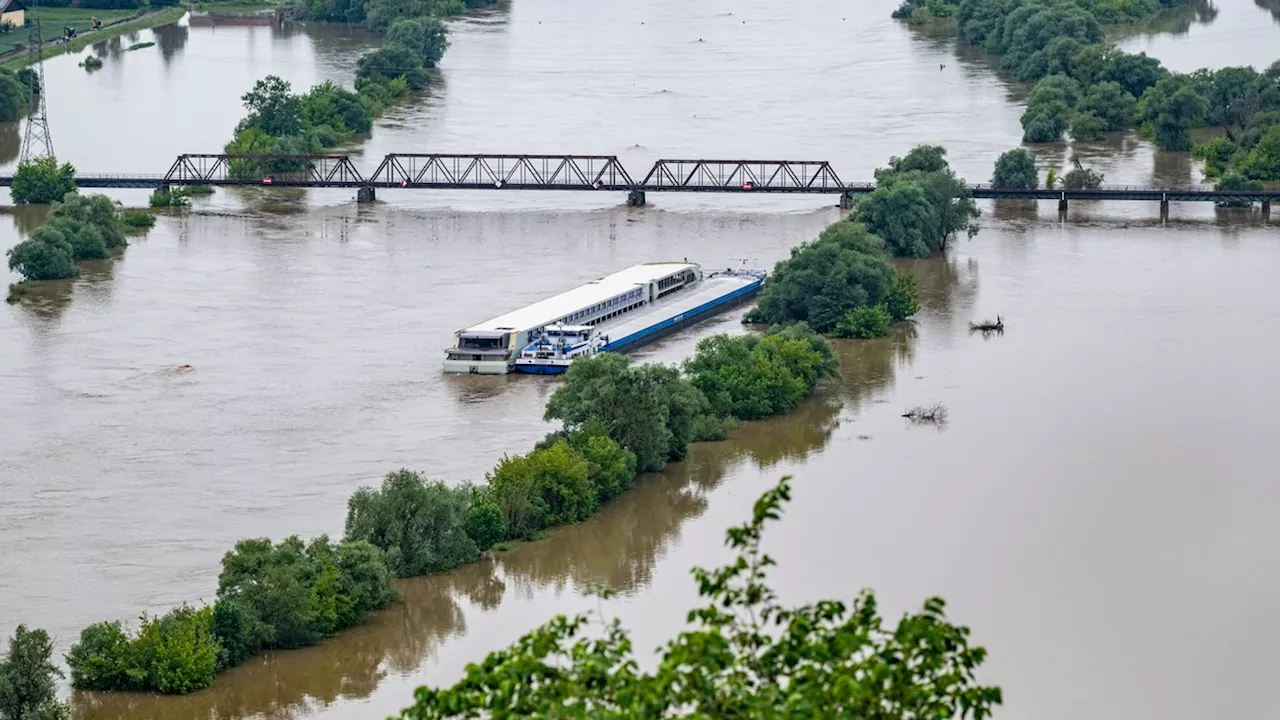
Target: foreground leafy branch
column 745, row 655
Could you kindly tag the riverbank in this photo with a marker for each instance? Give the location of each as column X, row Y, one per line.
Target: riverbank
column 76, row 17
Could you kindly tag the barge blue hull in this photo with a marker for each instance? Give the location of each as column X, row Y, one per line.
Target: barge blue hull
column 541, row 369
column 684, row 319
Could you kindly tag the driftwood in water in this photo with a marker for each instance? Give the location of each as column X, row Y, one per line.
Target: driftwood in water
column 935, row 414
column 986, row 326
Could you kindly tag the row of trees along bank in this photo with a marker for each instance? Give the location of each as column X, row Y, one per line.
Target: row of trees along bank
column 77, row 229
column 1087, row 87
column 618, row 419
column 281, row 122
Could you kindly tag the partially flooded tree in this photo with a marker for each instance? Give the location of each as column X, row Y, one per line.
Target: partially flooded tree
column 745, row 655
column 27, row 686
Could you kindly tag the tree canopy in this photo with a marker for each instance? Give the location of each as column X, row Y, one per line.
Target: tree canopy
column 1015, row 169
column 28, row 689
column 919, row 204
column 745, row 655
column 42, row 181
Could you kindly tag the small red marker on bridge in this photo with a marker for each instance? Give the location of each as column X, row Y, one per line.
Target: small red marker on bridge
column 266, row 181
column 746, row 186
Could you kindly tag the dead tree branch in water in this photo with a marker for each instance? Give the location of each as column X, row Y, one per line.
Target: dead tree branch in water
column 986, row 326
column 935, row 414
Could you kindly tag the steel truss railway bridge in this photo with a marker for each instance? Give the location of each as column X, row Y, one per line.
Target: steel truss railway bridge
column 588, row 173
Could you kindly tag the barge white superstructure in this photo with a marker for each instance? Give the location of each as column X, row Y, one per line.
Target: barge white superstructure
column 491, row 348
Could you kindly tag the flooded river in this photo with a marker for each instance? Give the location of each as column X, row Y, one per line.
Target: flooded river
column 1100, row 508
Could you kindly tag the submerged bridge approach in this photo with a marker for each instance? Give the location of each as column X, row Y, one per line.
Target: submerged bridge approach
column 589, row 173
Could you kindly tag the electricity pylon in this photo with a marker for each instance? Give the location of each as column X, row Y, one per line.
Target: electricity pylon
column 36, row 142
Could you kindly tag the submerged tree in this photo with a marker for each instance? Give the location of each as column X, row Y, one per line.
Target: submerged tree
column 1015, row 169
column 745, row 655
column 27, row 678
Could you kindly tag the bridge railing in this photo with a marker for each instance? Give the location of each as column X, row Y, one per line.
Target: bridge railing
column 543, row 172
column 743, row 176
column 223, row 169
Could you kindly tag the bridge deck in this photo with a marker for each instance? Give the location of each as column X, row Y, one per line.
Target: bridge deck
column 581, row 173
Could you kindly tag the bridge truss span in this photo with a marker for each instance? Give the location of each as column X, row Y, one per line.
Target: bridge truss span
column 796, row 176
column 295, row 170
column 510, row 172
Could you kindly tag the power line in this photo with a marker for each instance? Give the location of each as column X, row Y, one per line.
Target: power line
column 36, row 141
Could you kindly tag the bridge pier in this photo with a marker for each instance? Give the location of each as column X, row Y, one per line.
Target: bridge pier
column 846, row 201
column 1164, row 210
column 635, row 198
column 1266, row 208
column 366, row 194
column 1062, row 205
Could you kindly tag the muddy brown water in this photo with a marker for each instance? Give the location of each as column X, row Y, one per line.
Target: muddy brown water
column 1099, row 508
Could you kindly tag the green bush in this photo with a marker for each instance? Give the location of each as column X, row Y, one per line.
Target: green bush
column 231, row 625
column 137, row 219
column 43, row 258
column 749, row 377
column 903, row 300
column 28, row 689
column 1015, row 169
column 485, row 524
column 42, row 181
column 1087, row 127
column 15, row 91
column 96, row 211
column 417, row 523
column 864, row 323
column 844, row 268
column 176, row 652
column 919, row 204
column 103, row 659
column 546, row 487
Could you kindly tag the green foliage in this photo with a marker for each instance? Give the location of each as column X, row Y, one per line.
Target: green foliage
column 1015, row 169
column 15, row 93
column 417, row 523
column 1086, row 126
column 610, row 467
column 649, row 409
column 297, row 595
column 1111, row 102
column 844, row 268
column 43, row 258
column 137, row 219
column 546, row 487
column 342, row 11
column 93, row 62
column 102, row 660
column 485, row 523
column 1044, row 122
column 1057, row 87
column 1172, row 106
column 1217, row 155
column 864, row 322
column 273, row 108
column 427, row 38
column 28, row 689
column 745, row 655
column 749, row 377
column 1263, row 161
column 42, row 181
column 341, row 111
column 919, row 204
column 902, row 301
column 232, row 625
column 392, row 61
column 1081, row 178
column 96, row 211
column 1235, row 181
column 176, row 652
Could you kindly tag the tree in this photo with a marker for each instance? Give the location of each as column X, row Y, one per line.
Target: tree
column 42, row 181
column 485, row 524
column 1086, row 126
column 1235, row 181
column 273, row 107
column 97, row 211
column 14, row 96
column 1015, row 169
column 343, row 11
column 1044, row 122
column 1263, row 161
column 417, row 523
column 328, row 105
column 902, row 301
column 648, row 410
column 749, row 377
column 1110, row 102
column 1236, row 94
column 844, row 268
column 543, row 488
column 745, row 655
column 381, row 14
column 178, row 651
column 393, row 61
column 1173, row 106
column 949, row 204
column 47, row 257
column 900, row 214
column 101, row 660
column 27, row 687
column 864, row 323
column 1058, row 87
column 1082, row 178
column 426, row 37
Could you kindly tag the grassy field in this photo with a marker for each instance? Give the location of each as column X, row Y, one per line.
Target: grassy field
column 242, row 7
column 53, row 20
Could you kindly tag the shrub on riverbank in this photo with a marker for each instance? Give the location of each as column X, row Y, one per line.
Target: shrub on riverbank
column 28, row 689
column 919, row 204
column 417, row 523
column 15, row 91
column 174, row 653
column 42, row 181
column 750, row 377
column 1015, row 169
column 137, row 219
column 82, row 227
column 726, row 665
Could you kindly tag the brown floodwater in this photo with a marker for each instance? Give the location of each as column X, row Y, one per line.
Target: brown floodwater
column 1099, row 508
